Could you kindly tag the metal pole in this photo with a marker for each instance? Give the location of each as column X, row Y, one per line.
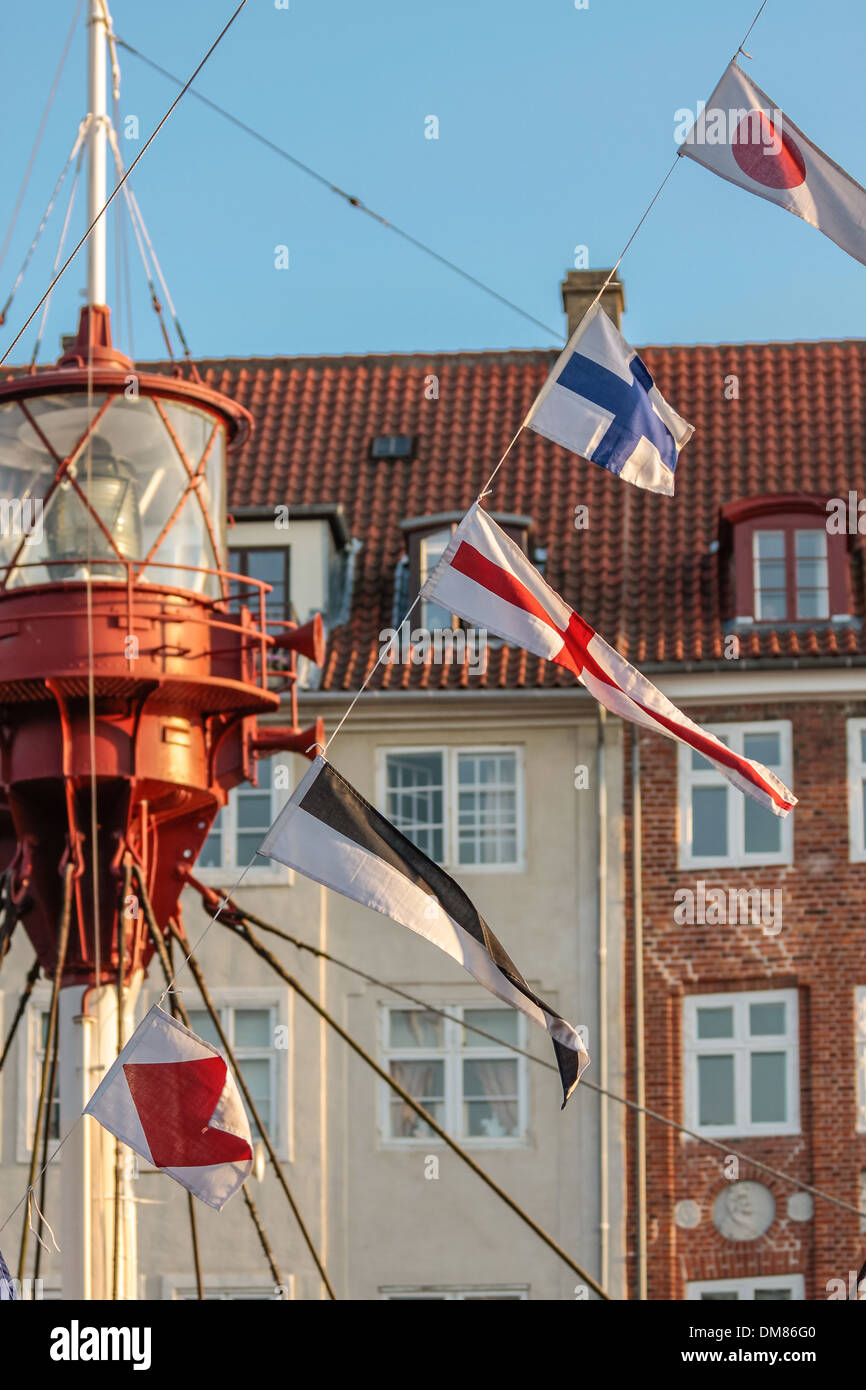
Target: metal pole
column 639, row 1038
column 96, row 150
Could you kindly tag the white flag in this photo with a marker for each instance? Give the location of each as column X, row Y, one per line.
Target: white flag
column 601, row 403
column 743, row 137
column 171, row 1097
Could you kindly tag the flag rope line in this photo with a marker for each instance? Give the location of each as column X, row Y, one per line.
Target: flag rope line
column 145, row 147
column 178, row 1009
column 745, row 37
column 279, row 969
column 347, row 197
column 203, row 990
column 523, row 1052
column 32, row 977
column 45, row 114
column 46, row 1135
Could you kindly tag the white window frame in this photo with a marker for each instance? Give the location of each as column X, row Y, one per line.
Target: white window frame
column 29, row 1065
column 451, row 1293
column 450, row 758
column 737, row 856
column 453, row 1056
column 181, row 1287
column 746, row 1288
column 856, row 777
column 741, row 1045
column 264, row 872
column 280, row 1001
column 860, row 1060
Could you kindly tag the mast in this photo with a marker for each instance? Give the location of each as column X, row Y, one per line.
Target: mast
column 97, row 144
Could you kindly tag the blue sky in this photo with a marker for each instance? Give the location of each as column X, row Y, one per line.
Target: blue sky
column 555, row 128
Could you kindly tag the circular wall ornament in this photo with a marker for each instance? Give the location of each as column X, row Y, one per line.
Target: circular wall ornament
column 744, row 1210
column 800, row 1206
column 687, row 1215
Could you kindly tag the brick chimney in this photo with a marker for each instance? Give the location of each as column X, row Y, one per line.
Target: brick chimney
column 579, row 289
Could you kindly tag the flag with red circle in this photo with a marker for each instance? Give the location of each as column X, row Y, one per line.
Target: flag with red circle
column 171, row 1098
column 743, row 137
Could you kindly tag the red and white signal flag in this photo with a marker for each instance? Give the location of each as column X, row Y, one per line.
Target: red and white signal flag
column 743, row 137
column 485, row 577
column 171, row 1098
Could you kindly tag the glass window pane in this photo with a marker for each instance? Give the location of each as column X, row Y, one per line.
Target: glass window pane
column 490, row 1099
column 254, row 810
column 771, row 607
column 813, row 603
column 415, row 1028
column 709, row 821
column 252, row 1028
column 716, row 1090
column 487, row 808
column 764, row 747
column 248, row 843
column 863, row 745
column 766, row 1019
column 811, row 543
column 772, row 1295
column 200, row 1022
column 415, row 799
column 731, row 1296
column 762, row 830
column 425, row 1082
column 502, row 1023
column 769, row 1100
column 716, row 1023
column 769, row 545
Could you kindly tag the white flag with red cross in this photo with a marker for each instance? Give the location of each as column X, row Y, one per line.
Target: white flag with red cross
column 171, row 1098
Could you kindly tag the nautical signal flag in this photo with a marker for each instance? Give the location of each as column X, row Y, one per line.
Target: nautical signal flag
column 328, row 832
column 601, row 402
column 743, row 137
column 171, row 1098
column 485, row 578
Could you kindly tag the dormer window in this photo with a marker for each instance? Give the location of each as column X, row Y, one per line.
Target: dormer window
column 427, row 538
column 786, row 567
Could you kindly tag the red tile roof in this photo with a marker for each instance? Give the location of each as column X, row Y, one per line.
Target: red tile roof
column 799, row 424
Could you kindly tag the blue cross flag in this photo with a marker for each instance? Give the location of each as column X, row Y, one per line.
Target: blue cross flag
column 600, row 402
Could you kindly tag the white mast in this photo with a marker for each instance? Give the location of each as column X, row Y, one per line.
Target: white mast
column 96, row 148
column 88, row 1021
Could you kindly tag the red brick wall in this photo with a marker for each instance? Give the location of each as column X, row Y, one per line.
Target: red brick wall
column 820, row 951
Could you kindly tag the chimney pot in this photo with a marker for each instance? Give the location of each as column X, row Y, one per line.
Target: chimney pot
column 579, row 289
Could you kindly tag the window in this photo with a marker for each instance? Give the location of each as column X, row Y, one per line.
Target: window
column 860, row 1054
column 445, row 1293
column 236, row 1287
column 740, row 1059
column 766, row 1288
column 426, row 539
column 472, row 1085
column 461, row 806
column 250, row 1018
column 392, row 446
column 240, row 827
column 719, row 825
column 857, row 790
column 787, row 568
column 271, row 565
column 432, row 548
column 790, row 575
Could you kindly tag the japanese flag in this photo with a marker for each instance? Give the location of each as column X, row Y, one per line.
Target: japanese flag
column 171, row 1098
column 743, row 137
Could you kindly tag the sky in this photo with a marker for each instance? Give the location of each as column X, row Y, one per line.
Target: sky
column 555, row 127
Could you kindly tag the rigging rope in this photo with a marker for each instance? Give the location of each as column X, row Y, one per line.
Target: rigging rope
column 341, row 193
column 235, row 911
column 29, row 170
column 145, row 147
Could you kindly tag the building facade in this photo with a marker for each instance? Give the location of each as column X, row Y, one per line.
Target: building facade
column 741, row 603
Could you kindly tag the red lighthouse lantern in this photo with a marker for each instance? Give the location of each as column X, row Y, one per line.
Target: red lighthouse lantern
column 132, row 664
